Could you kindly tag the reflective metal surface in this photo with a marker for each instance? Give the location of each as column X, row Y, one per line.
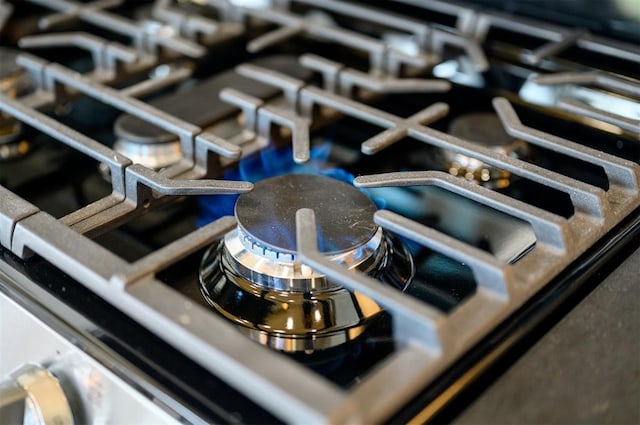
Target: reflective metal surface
column 267, row 214
column 254, row 278
column 64, row 384
column 32, row 395
column 281, row 271
column 14, row 82
column 485, row 129
column 286, row 320
column 152, row 155
column 314, row 315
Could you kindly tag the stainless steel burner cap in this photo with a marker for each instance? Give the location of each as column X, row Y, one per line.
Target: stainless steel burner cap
column 485, row 129
column 146, row 144
column 14, row 82
column 267, row 214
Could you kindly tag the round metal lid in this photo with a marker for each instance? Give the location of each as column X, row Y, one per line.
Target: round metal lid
column 14, row 80
column 344, row 215
column 8, row 65
column 135, row 130
column 481, row 127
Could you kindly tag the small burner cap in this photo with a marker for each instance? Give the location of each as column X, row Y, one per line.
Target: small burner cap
column 8, row 65
column 481, row 127
column 344, row 215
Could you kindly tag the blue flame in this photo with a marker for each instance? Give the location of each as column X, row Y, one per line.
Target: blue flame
column 271, row 162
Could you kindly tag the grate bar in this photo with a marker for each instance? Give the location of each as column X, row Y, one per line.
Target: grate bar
column 115, row 161
column 418, row 29
column 600, row 79
column 152, row 85
column 426, row 37
column 556, row 35
column 175, row 251
column 300, row 395
column 268, row 115
column 413, row 320
column 337, row 76
column 619, row 171
column 6, row 9
column 378, row 51
column 173, row 187
column 53, row 241
column 105, row 54
column 274, row 37
column 398, row 382
column 580, row 108
column 185, row 131
column 397, row 133
column 290, row 86
column 548, row 228
column 193, row 25
column 115, row 23
column 628, row 52
column 67, row 17
column 489, row 272
column 465, row 15
column 442, row 38
column 12, row 210
column 210, row 142
column 586, row 198
column 552, row 48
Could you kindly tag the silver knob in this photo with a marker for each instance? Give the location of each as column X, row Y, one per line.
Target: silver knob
column 32, row 395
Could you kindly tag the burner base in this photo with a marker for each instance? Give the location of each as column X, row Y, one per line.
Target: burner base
column 296, row 321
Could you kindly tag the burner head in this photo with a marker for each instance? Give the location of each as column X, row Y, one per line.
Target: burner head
column 254, row 278
column 14, row 82
column 267, row 215
column 263, row 249
column 485, row 129
column 145, row 144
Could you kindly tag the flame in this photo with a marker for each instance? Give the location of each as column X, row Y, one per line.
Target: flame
column 271, row 162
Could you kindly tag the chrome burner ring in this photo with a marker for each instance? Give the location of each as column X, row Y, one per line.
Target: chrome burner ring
column 283, row 272
column 293, row 321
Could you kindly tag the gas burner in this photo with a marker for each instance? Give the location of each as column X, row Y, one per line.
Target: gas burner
column 484, row 128
column 146, row 145
column 14, row 81
column 254, row 278
column 11, row 144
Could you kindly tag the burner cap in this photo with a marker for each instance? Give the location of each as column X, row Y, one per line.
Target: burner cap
column 481, row 127
column 344, row 215
column 485, row 129
column 14, row 82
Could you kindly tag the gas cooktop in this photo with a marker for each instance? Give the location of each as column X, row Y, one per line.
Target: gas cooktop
column 263, row 211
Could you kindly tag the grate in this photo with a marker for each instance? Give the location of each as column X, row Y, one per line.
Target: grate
column 428, row 339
